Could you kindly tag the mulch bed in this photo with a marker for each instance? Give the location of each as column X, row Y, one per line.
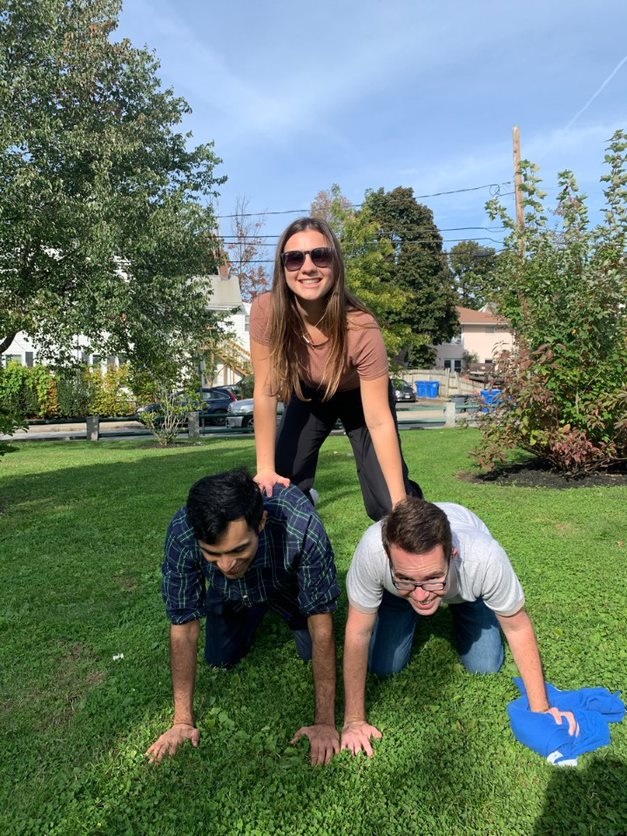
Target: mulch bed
column 536, row 474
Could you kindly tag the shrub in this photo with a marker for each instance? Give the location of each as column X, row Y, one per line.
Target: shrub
column 563, row 290
column 169, row 414
column 110, row 392
column 75, row 392
column 16, row 391
column 576, row 432
column 11, row 418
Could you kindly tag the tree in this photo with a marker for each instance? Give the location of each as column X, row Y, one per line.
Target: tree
column 103, row 215
column 365, row 262
column 417, row 265
column 472, row 266
column 245, row 248
column 563, row 290
column 333, row 207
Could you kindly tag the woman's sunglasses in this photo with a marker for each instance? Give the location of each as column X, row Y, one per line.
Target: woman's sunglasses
column 294, row 259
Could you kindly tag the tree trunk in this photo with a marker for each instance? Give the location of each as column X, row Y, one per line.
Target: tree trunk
column 6, row 342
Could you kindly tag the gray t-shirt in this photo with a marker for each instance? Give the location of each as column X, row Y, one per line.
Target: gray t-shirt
column 481, row 568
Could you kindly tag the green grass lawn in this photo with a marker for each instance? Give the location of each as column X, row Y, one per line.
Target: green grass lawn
column 81, row 534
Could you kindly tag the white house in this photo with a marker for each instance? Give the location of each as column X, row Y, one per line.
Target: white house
column 23, row 351
column 233, row 360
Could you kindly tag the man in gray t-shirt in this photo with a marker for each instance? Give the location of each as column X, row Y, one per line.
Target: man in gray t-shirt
column 421, row 555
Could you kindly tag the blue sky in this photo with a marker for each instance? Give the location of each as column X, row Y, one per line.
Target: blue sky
column 371, row 93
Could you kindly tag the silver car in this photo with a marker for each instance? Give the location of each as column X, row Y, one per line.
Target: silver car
column 239, row 414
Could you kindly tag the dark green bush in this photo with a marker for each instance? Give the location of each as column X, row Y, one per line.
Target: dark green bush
column 75, row 392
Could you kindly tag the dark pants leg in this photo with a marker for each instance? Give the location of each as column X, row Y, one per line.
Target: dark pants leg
column 373, row 487
column 304, row 427
column 298, row 625
column 230, row 633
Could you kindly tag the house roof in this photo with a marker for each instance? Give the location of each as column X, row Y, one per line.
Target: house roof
column 469, row 317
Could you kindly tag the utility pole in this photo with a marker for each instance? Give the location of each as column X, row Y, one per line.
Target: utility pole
column 520, row 215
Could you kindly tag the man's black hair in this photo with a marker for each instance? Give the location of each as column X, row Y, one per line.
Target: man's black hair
column 215, row 501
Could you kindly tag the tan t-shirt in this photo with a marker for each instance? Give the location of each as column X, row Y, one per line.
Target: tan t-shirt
column 366, row 356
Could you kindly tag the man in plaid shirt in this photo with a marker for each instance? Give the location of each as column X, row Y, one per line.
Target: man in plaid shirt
column 230, row 554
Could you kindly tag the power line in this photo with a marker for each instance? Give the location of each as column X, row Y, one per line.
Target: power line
column 432, row 240
column 253, row 238
column 494, row 187
column 234, row 262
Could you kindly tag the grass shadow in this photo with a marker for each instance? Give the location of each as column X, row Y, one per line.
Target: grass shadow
column 588, row 799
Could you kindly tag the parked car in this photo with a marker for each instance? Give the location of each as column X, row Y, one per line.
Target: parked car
column 215, row 399
column 243, row 388
column 403, row 391
column 239, row 414
column 227, row 389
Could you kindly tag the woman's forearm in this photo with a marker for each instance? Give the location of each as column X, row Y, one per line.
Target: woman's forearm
column 387, row 447
column 264, row 411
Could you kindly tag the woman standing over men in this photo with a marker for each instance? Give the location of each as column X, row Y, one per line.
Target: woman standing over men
column 318, row 348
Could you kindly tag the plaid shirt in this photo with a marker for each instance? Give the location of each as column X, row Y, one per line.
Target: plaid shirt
column 293, row 570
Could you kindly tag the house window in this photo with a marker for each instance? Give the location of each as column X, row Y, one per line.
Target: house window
column 12, row 358
column 29, row 359
column 247, row 323
column 490, row 329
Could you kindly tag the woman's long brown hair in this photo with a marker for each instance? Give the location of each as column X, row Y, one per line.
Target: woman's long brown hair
column 287, row 324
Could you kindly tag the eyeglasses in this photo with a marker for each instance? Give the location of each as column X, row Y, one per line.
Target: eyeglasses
column 294, row 259
column 404, row 585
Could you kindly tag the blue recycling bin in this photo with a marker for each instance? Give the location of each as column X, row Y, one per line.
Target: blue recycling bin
column 427, row 388
column 490, row 399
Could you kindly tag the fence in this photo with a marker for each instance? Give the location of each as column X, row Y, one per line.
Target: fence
column 451, row 383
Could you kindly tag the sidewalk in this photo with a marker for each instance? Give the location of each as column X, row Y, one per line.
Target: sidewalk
column 76, row 429
column 420, row 415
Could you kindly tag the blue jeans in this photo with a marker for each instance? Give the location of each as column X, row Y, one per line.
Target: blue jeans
column 477, row 635
column 230, row 633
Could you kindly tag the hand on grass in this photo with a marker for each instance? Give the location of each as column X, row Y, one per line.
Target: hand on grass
column 356, row 737
column 267, row 479
column 324, row 741
column 170, row 741
column 560, row 716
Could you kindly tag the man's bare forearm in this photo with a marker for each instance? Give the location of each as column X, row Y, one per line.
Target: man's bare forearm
column 324, row 673
column 183, row 652
column 355, row 670
column 522, row 641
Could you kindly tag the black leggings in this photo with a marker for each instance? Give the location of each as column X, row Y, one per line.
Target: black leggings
column 303, row 429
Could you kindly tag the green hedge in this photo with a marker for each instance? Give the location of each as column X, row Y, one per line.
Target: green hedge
column 41, row 392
